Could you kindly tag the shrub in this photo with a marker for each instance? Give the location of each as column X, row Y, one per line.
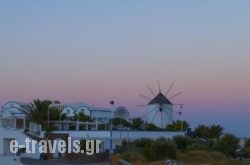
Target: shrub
column 181, row 142
column 142, row 142
column 147, row 152
column 246, row 152
column 227, row 145
column 162, row 149
column 197, row 146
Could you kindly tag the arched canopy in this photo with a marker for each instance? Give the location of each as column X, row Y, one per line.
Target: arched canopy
column 68, row 111
column 84, row 110
column 13, row 109
column 121, row 112
column 71, row 109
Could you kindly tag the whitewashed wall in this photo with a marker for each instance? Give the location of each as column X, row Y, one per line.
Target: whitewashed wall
column 20, row 137
column 160, row 119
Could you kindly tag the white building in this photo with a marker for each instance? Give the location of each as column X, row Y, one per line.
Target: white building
column 12, row 116
column 96, row 113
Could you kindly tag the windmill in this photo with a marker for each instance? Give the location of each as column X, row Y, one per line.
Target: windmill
column 160, row 108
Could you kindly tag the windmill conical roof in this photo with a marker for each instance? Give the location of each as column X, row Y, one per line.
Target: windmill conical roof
column 159, row 99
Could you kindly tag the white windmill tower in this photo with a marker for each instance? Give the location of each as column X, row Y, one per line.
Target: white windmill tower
column 160, row 109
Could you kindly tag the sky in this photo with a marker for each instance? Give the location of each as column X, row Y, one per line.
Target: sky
column 97, row 51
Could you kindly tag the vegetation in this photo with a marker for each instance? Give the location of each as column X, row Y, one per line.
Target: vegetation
column 136, row 123
column 209, row 132
column 152, row 127
column 181, row 142
column 82, row 117
column 177, row 126
column 37, row 111
column 119, row 123
column 163, row 148
column 211, row 146
column 227, row 145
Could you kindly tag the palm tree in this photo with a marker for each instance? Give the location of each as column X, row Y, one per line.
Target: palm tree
column 136, row 123
column 82, row 117
column 216, row 131
column 178, row 125
column 209, row 132
column 119, row 123
column 202, row 131
column 37, row 111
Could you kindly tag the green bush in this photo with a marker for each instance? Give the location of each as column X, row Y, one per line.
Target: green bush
column 181, row 142
column 227, row 145
column 196, row 146
column 147, row 152
column 163, row 148
column 246, row 152
column 142, row 142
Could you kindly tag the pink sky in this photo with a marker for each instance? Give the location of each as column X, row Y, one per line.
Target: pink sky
column 91, row 52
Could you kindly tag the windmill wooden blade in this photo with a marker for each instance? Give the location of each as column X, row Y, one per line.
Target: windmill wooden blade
column 150, row 89
column 149, row 112
column 179, row 104
column 175, row 95
column 145, row 97
column 142, row 105
column 154, row 116
column 161, row 120
column 159, row 87
column 170, row 87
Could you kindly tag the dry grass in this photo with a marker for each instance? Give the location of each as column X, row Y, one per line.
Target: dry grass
column 189, row 158
column 220, row 162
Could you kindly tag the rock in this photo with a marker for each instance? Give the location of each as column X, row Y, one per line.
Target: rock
column 172, row 162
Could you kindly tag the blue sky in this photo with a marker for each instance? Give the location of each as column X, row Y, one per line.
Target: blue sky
column 94, row 51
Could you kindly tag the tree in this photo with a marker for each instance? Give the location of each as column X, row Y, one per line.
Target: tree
column 37, row 111
column 55, row 114
column 142, row 142
column 119, row 122
column 82, row 117
column 152, row 127
column 202, row 131
column 216, row 131
column 136, row 123
column 209, row 132
column 247, row 143
column 227, row 144
column 178, row 125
